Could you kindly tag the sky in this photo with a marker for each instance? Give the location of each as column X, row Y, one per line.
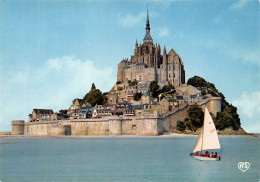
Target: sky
column 52, row 51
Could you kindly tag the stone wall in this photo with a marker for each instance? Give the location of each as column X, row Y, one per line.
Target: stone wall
column 46, row 129
column 5, row 133
column 168, row 121
column 90, row 127
column 213, row 105
column 102, row 126
column 140, row 125
column 129, row 126
column 115, row 126
column 17, row 127
column 147, row 126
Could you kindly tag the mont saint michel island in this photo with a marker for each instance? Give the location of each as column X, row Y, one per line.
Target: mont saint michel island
column 151, row 97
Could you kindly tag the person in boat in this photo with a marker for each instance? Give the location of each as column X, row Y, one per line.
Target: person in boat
column 206, row 154
column 211, row 155
column 197, row 154
column 216, row 155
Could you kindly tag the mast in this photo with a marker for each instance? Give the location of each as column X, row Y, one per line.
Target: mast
column 203, row 130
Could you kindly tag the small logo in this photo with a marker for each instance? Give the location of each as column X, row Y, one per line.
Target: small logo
column 243, row 166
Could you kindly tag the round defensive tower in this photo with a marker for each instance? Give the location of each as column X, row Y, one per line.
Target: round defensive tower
column 115, row 127
column 18, row 127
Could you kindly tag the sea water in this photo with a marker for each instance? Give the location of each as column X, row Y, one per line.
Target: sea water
column 124, row 159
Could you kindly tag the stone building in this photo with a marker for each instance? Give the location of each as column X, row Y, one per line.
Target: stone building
column 147, row 64
column 127, row 92
column 41, row 115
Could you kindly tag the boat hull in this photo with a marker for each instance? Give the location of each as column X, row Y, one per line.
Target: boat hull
column 201, row 158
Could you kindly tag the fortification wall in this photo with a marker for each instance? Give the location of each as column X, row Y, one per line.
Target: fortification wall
column 90, row 127
column 129, row 126
column 17, row 127
column 115, row 126
column 168, row 122
column 147, row 126
column 46, row 129
column 213, row 105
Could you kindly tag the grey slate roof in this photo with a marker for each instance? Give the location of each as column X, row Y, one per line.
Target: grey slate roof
column 148, row 37
column 137, row 106
column 172, row 100
column 141, row 64
column 43, row 111
column 179, row 97
column 142, row 89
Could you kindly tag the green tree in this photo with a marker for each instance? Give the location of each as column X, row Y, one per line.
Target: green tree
column 197, row 81
column 180, row 126
column 94, row 97
column 228, row 116
column 137, row 96
column 133, row 83
column 93, row 86
column 189, row 125
column 105, row 99
column 167, row 88
column 196, row 115
column 154, row 89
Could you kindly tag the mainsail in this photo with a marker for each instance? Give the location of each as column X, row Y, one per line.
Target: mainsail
column 208, row 137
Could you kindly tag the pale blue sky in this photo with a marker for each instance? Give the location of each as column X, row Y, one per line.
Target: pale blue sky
column 51, row 51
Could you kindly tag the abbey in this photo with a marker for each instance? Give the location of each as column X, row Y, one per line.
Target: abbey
column 130, row 107
column 148, row 64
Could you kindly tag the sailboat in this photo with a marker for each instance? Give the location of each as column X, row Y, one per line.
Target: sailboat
column 207, row 140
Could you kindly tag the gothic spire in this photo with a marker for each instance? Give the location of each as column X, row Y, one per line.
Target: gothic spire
column 148, row 38
column 147, row 22
column 164, row 51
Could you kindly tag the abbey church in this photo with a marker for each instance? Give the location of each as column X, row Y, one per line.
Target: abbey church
column 148, row 64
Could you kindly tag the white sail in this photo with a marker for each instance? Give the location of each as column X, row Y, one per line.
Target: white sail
column 199, row 142
column 208, row 138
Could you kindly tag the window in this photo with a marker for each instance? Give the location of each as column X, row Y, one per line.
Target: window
column 170, row 108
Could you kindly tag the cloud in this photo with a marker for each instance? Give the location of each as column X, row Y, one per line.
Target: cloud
column 164, row 32
column 249, row 109
column 130, row 20
column 248, row 103
column 52, row 85
column 239, row 4
column 246, row 55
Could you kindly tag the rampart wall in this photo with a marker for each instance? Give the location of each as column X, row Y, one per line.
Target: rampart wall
column 167, row 122
column 102, row 126
column 46, row 129
column 153, row 124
